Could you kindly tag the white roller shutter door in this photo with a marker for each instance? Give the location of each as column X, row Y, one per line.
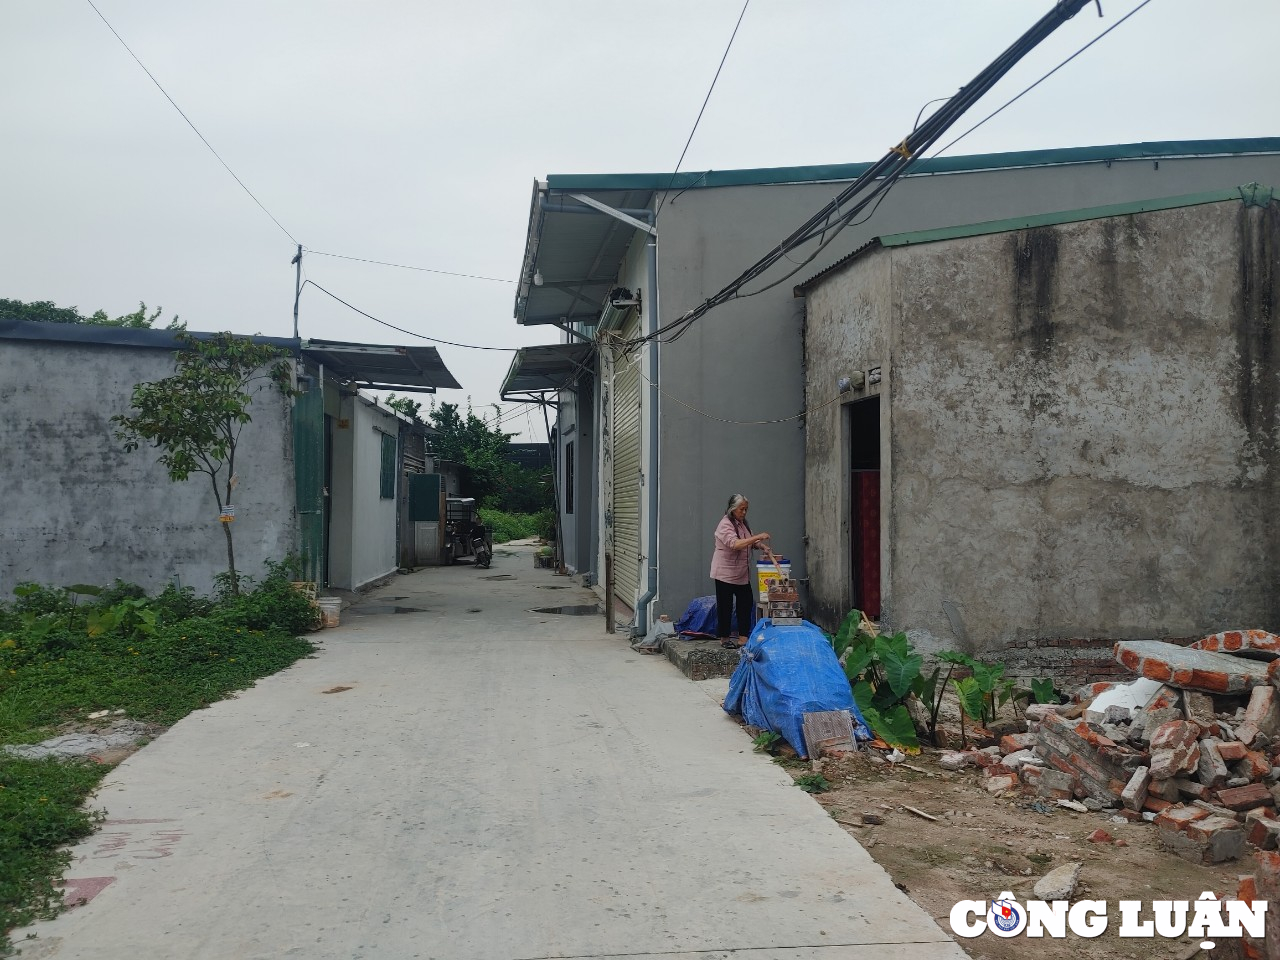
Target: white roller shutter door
column 626, row 470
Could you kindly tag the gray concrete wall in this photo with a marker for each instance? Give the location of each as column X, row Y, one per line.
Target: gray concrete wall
column 846, row 324
column 744, row 361
column 1081, row 421
column 75, row 508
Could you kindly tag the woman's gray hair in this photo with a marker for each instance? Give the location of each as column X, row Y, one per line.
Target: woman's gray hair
column 734, row 502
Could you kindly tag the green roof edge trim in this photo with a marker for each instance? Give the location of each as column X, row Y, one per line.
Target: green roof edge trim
column 1153, row 150
column 1250, row 194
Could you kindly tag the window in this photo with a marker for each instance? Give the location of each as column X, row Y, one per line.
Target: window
column 568, row 477
column 388, row 477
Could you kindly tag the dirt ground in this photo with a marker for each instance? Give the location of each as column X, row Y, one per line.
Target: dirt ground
column 981, row 845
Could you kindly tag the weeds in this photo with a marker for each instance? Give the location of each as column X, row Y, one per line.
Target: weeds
column 766, row 741
column 65, row 653
column 813, row 783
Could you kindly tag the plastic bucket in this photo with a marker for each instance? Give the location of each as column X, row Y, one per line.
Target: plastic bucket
column 766, row 571
column 330, row 610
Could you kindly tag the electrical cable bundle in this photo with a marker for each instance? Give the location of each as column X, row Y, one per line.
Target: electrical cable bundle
column 876, row 180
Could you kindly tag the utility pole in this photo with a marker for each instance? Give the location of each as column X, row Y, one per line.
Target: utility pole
column 297, row 288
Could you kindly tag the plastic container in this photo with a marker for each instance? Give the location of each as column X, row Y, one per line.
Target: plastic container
column 330, row 610
column 766, row 571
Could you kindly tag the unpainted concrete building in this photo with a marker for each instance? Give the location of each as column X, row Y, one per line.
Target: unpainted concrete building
column 657, row 429
column 1052, row 433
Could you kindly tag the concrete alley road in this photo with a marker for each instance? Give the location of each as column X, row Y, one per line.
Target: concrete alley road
column 474, row 781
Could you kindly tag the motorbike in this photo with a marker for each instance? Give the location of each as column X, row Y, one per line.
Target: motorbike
column 480, row 546
column 465, row 535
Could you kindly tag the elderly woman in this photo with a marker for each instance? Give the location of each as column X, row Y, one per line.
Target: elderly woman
column 731, row 570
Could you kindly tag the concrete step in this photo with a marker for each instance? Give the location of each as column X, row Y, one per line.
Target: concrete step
column 701, row 659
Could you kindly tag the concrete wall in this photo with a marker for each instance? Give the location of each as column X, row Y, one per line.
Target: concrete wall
column 1081, row 423
column 743, row 362
column 75, row 508
column 846, row 324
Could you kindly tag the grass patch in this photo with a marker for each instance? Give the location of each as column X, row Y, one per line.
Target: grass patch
column 157, row 659
column 506, row 527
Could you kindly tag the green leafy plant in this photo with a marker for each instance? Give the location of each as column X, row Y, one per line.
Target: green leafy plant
column 1043, row 691
column 194, row 417
column 155, row 659
column 813, row 783
column 883, row 672
column 765, row 741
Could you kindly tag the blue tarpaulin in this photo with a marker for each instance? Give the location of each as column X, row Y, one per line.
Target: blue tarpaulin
column 786, row 672
column 700, row 619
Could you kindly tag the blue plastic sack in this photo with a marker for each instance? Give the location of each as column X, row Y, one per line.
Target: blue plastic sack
column 786, row 672
column 700, row 619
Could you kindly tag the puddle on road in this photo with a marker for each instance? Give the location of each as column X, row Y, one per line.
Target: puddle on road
column 553, row 586
column 573, row 610
column 500, row 576
column 378, row 609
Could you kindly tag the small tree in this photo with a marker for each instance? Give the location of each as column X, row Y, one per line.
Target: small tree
column 195, row 416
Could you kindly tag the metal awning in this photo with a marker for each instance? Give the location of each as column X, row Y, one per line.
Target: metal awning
column 546, row 369
column 382, row 366
column 573, row 254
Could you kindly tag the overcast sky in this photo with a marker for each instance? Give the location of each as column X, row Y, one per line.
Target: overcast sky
column 412, row 132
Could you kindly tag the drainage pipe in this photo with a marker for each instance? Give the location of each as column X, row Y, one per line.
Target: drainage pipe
column 651, row 467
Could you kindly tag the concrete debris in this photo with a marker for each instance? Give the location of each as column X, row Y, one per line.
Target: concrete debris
column 1059, row 883
column 1191, row 745
column 1191, row 669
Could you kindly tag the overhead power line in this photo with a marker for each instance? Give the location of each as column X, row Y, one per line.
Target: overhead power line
column 405, row 266
column 878, row 178
column 705, row 101
column 1013, row 100
column 412, row 333
column 202, row 137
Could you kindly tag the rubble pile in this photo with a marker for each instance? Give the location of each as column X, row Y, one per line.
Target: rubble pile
column 1192, row 745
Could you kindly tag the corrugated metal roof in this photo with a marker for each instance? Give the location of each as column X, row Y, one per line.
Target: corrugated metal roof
column 1253, row 194
column 576, row 253
column 367, row 364
column 546, row 368
column 382, row 366
column 1160, row 149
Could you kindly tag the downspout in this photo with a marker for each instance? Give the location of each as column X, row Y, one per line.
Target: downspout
column 651, row 467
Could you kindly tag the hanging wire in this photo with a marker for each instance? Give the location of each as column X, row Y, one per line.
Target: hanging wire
column 881, row 175
column 203, row 140
column 412, row 333
column 405, row 266
column 705, row 101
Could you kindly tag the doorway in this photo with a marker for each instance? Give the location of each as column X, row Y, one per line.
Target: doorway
column 864, row 505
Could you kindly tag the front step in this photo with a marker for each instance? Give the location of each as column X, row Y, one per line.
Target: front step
column 701, row 659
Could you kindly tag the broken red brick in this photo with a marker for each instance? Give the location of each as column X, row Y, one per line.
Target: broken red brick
column 1230, row 641
column 1100, row 836
column 1155, row 804
column 1134, row 794
column 1261, row 831
column 1244, row 798
column 1176, row 818
column 1013, row 742
column 1189, row 668
column 1174, row 749
column 1263, row 711
column 1232, row 751
column 1090, row 690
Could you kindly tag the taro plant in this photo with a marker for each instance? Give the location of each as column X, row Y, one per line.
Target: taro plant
column 1043, row 691
column 884, row 672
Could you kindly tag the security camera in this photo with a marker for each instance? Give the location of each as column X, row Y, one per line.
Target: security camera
column 620, row 297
